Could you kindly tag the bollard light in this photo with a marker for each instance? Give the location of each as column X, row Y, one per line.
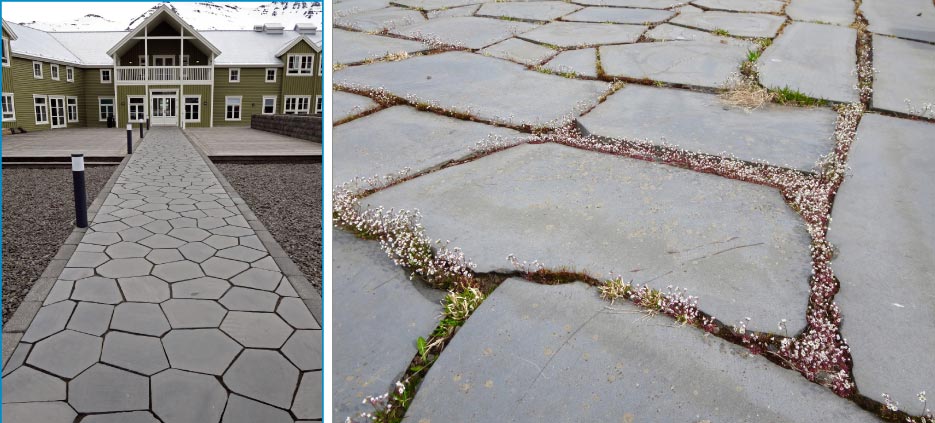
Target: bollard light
column 81, row 197
column 147, row 123
column 141, row 130
column 129, row 138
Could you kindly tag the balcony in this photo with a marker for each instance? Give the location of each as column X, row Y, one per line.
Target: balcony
column 139, row 75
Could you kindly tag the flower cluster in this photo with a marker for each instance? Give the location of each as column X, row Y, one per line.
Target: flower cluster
column 382, row 406
column 674, row 302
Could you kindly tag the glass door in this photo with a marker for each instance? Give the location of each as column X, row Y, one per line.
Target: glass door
column 57, row 112
column 164, row 110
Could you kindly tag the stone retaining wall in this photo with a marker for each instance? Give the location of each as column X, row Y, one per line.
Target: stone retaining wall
column 297, row 126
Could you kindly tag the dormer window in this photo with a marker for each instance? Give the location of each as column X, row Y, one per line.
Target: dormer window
column 300, row 64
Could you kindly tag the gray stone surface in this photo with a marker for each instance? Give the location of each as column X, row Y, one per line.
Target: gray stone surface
column 84, row 259
column 129, row 417
column 258, row 279
column 649, row 4
column 838, row 12
column 189, row 313
column 409, row 138
column 501, row 91
column 46, row 412
column 766, row 6
column 739, row 24
column 241, row 253
column 620, row 15
column 435, row 4
column 127, row 250
column 913, row 19
column 124, row 268
column 18, row 357
column 245, row 299
column 256, row 330
column 883, row 225
column 296, row 313
column 303, row 349
column 786, row 136
column 698, row 63
column 141, row 318
column 223, row 268
column 245, row 410
column 263, row 375
column 26, row 384
column 185, row 397
column 718, row 238
column 98, row 290
column 453, row 12
column 202, row 288
column 162, row 241
column 903, row 80
column 104, row 389
column 580, row 34
column 66, row 354
column 91, row 318
column 821, row 70
column 177, row 271
column 559, row 353
column 144, row 289
column 197, row 251
column 200, row 350
column 61, row 291
column 356, row 47
column 49, row 320
column 466, row 31
column 581, row 62
column 305, row 406
column 141, row 354
column 345, row 105
column 533, row 10
column 381, row 19
column 517, row 50
column 365, row 279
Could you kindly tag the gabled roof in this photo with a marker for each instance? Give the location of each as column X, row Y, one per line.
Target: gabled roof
column 89, row 46
column 158, row 13
column 37, row 44
column 250, row 48
column 9, row 31
column 292, row 43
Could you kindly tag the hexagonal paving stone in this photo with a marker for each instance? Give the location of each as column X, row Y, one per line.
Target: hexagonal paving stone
column 223, row 268
column 137, row 221
column 98, row 290
column 201, row 288
column 66, row 354
column 30, row 385
column 294, row 311
column 159, row 227
column 180, row 396
column 200, row 350
column 186, row 313
column 221, row 241
column 190, row 234
column 303, row 349
column 104, row 389
column 84, row 259
column 49, row 320
column 134, row 234
column 241, row 253
column 265, row 376
column 266, row 263
column 144, row 289
column 60, row 291
column 164, row 255
column 100, row 238
column 162, row 241
column 124, row 268
column 45, row 412
column 245, row 299
column 286, row 289
column 91, row 318
column 90, row 248
column 125, row 212
column 163, row 215
column 17, row 358
column 109, row 226
column 197, row 251
column 256, row 330
column 183, row 222
column 307, row 404
column 75, row 273
column 178, row 271
column 194, row 214
column 141, row 318
column 258, row 279
column 142, row 354
column 245, row 410
column 127, row 250
column 131, row 417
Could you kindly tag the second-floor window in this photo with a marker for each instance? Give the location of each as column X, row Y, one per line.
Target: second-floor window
column 69, row 74
column 270, row 74
column 53, row 72
column 105, row 76
column 37, row 70
column 6, row 51
column 234, row 75
column 300, row 64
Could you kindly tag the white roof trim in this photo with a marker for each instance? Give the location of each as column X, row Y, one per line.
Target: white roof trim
column 163, row 9
column 292, row 43
column 9, row 30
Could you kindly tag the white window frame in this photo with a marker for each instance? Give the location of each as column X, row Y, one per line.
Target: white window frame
column 69, row 73
column 266, row 75
column 142, row 59
column 263, row 104
column 227, row 100
column 290, row 71
column 230, row 75
column 198, row 105
column 6, row 52
column 318, row 104
column 321, row 65
column 113, row 108
column 165, row 58
column 34, row 63
column 12, row 104
column 297, row 111
column 45, row 105
column 53, row 72
column 129, row 105
column 68, row 107
column 110, row 76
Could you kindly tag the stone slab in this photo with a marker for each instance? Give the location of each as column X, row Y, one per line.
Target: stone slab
column 265, row 376
column 350, row 7
column 697, row 63
column 355, row 47
column 883, row 225
column 904, row 71
column 46, row 412
column 501, row 91
column 669, row 32
column 535, row 353
column 533, row 10
column 838, row 12
column 519, row 51
column 763, row 6
column 648, row 4
column 620, row 15
column 381, row 19
column 582, row 34
column 466, row 31
column 793, row 137
column 104, row 389
column 581, row 62
column 182, row 397
column 912, row 19
column 739, row 24
column 453, row 12
column 436, row 4
column 408, row 138
column 822, row 70
column 735, row 245
column 371, row 356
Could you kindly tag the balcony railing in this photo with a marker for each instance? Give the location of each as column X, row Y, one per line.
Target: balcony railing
column 163, row 74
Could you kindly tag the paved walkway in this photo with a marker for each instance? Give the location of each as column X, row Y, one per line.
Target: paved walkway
column 170, row 310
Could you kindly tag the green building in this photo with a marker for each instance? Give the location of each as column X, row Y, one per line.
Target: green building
column 163, row 70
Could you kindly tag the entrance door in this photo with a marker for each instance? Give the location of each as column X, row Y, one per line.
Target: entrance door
column 164, row 110
column 57, row 112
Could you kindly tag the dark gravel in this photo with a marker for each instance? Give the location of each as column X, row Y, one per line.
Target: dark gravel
column 286, row 197
column 38, row 215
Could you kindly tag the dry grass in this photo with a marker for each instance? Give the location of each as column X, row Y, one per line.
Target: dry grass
column 744, row 91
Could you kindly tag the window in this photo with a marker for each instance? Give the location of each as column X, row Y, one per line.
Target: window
column 69, row 74
column 296, row 104
column 105, row 106
column 321, row 66
column 37, row 70
column 54, row 72
column 186, row 60
column 318, row 104
column 234, row 75
column 9, row 111
column 136, row 108
column 300, row 64
column 232, row 106
column 269, row 104
column 142, row 60
column 270, row 74
column 6, row 51
column 42, row 110
column 71, row 109
column 193, row 108
column 105, row 76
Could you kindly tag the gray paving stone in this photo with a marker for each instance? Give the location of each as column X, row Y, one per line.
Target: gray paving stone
column 305, row 405
column 252, row 241
column 130, row 417
column 231, row 230
column 164, row 255
column 177, row 271
column 218, row 213
column 197, row 251
column 668, row 32
column 913, row 19
column 137, row 221
column 83, row 259
column 580, row 34
column 243, row 299
column 75, row 273
column 264, row 376
column 200, row 350
column 619, row 15
column 435, row 4
column 60, row 291
column 123, row 268
column 141, row 318
column 104, row 389
column 189, row 313
column 649, row 4
column 109, row 226
column 581, row 62
column 286, row 289
column 903, row 75
column 184, row 222
column 350, row 7
column 91, row 318
column 821, row 70
column 189, row 234
column 346, row 105
column 66, row 354
column 162, row 241
column 303, row 349
column 45, row 412
column 294, row 312
column 466, row 31
column 765, row 6
column 381, row 19
column 127, row 250
column 256, row 330
column 838, row 12
column 519, row 51
column 698, row 63
column 720, row 239
column 26, row 384
column 533, row 11
column 223, row 268
column 162, row 215
column 241, row 253
column 245, row 410
column 883, row 225
column 258, row 279
column 17, row 358
column 559, row 353
column 410, row 138
column 141, row 354
column 356, row 47
column 152, row 207
column 144, row 289
column 49, row 320
column 210, row 222
column 506, row 93
column 100, row 238
column 786, row 136
column 134, row 234
column 98, row 290
column 369, row 363
column 90, row 248
column 206, row 288
column 453, row 12
column 739, row 24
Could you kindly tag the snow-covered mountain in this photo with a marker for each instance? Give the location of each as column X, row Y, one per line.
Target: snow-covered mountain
column 201, row 15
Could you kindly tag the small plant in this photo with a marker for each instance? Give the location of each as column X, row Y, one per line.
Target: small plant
column 721, row 32
column 764, row 42
column 389, row 407
column 786, row 95
column 753, row 55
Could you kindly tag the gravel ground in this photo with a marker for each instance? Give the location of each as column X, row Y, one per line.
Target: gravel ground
column 38, row 215
column 286, row 197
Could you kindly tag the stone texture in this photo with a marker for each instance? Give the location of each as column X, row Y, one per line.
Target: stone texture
column 223, row 268
column 245, row 299
column 141, row 318
column 466, row 31
column 197, row 252
column 124, row 268
column 578, row 34
column 29, row 385
column 305, row 406
column 581, row 62
column 346, row 105
column 245, row 410
column 883, row 225
column 619, row 15
column 355, row 47
column 698, row 63
column 144, row 289
column 649, row 4
column 66, row 354
column 241, row 253
column 739, row 24
column 532, row 11
column 49, row 320
column 263, row 375
column 201, row 288
column 164, row 255
column 141, row 354
column 838, row 12
column 296, row 313
column 200, row 350
column 130, row 417
column 256, row 330
column 188, row 313
column 177, row 271
column 258, row 279
column 912, row 19
column 83, row 259
column 517, row 50
column 904, row 72
column 821, row 70
column 764, row 6
column 381, row 19
column 184, row 397
column 45, row 412
column 303, row 349
column 97, row 289
column 104, row 389
column 91, row 318
column 127, row 250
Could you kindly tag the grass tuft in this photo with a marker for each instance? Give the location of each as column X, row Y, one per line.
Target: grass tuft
column 789, row 96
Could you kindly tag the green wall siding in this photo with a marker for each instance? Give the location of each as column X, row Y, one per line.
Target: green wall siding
column 93, row 88
column 122, row 92
column 252, row 87
column 302, row 85
column 205, row 92
column 26, row 86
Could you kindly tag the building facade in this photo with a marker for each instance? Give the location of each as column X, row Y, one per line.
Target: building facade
column 163, row 70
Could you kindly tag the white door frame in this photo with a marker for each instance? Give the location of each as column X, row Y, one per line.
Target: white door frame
column 156, row 115
column 63, row 116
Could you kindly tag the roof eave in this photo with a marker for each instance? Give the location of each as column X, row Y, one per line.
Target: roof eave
column 296, row 41
column 151, row 18
column 9, row 30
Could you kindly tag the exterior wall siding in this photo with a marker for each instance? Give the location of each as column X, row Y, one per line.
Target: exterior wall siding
column 93, row 88
column 26, row 86
column 122, row 92
column 252, row 87
column 206, row 104
column 302, row 85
